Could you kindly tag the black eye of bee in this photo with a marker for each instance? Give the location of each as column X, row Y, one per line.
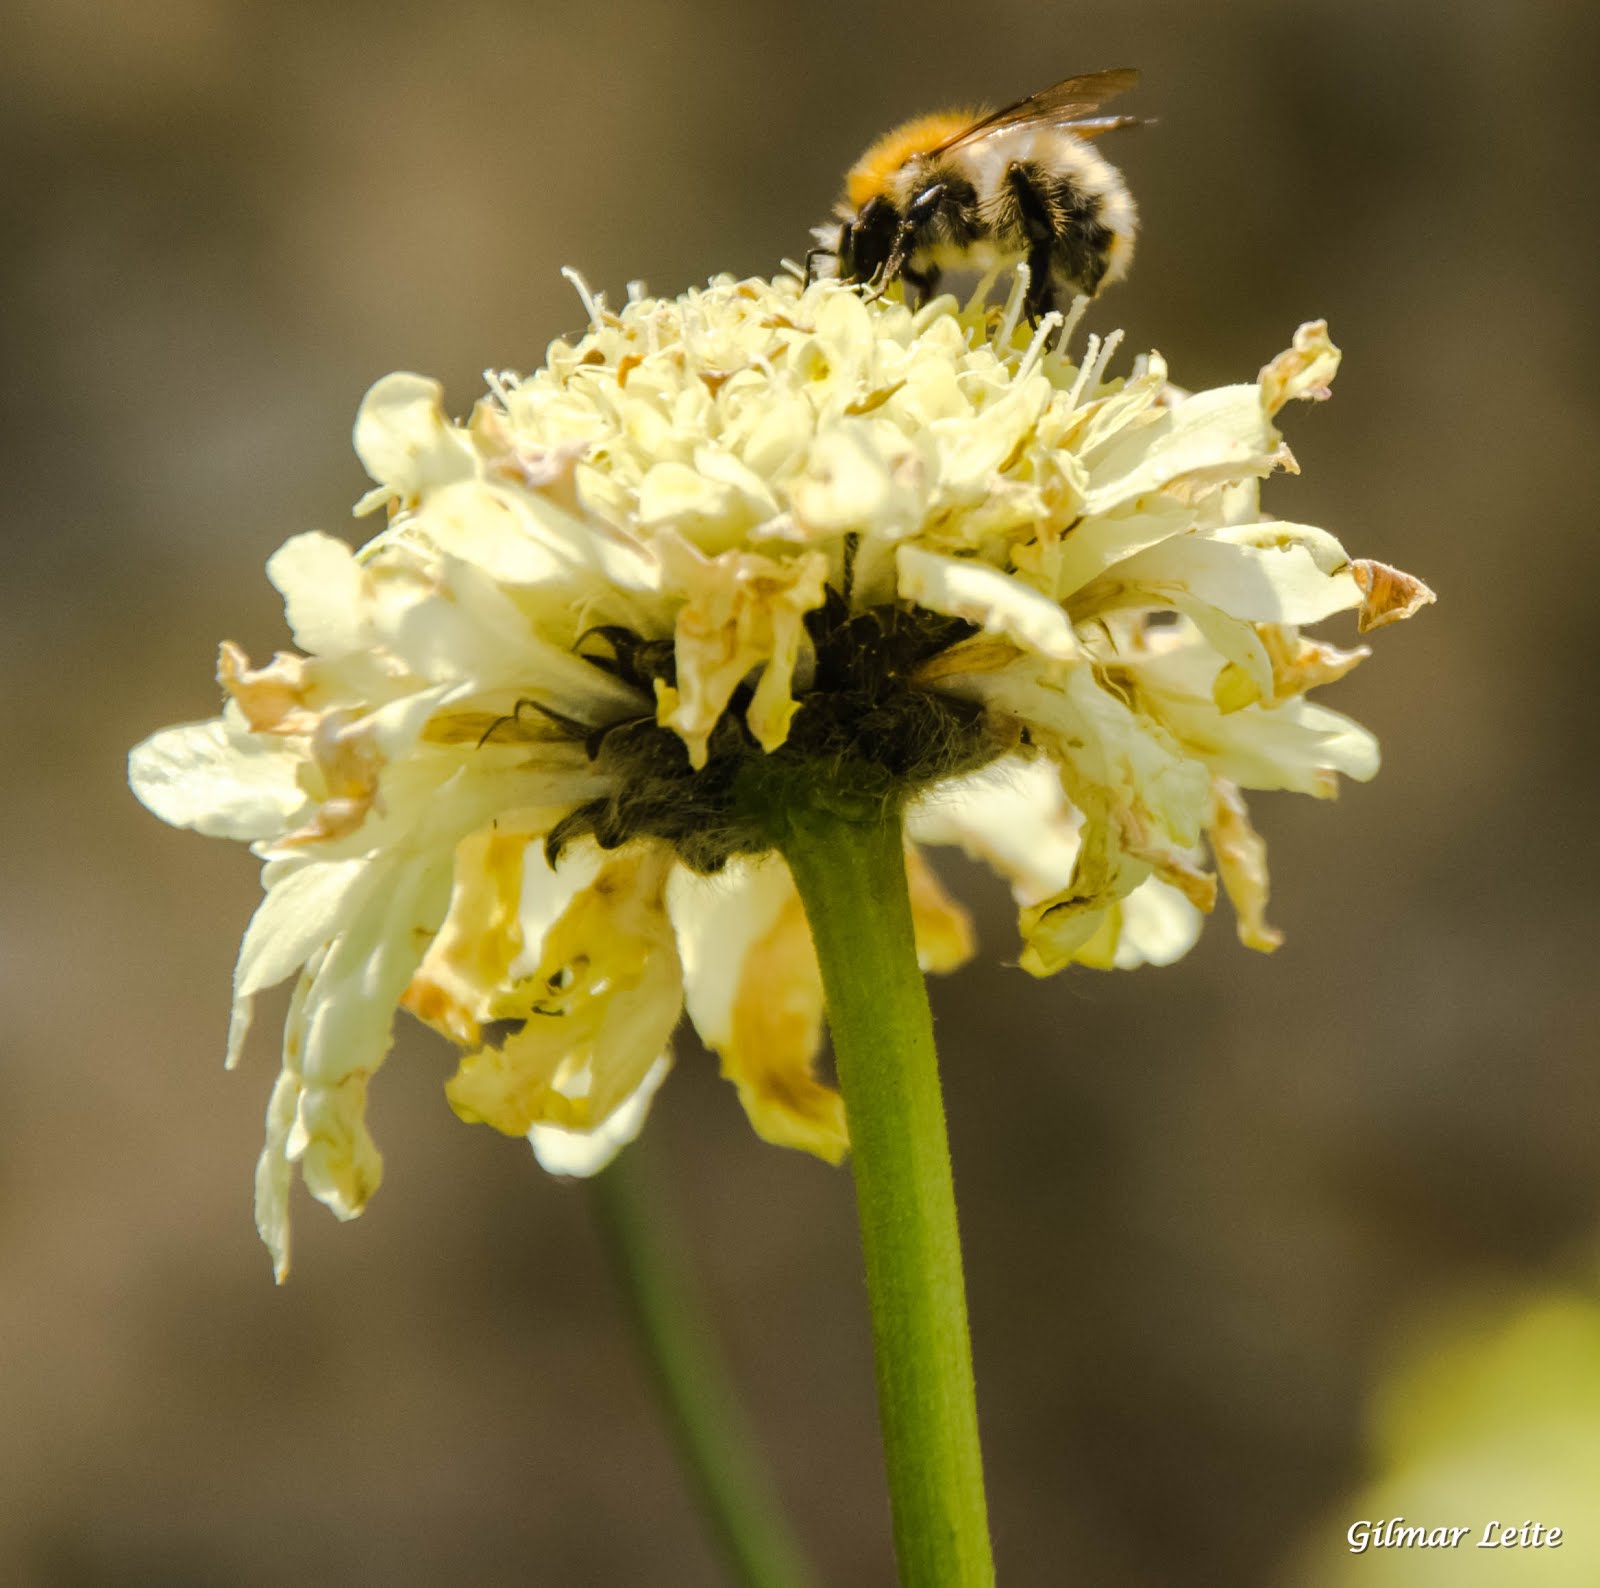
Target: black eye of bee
column 864, row 719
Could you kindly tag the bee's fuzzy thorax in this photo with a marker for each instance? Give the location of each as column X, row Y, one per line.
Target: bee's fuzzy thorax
column 873, row 172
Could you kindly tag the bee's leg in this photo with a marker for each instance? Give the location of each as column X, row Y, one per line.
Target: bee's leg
column 894, row 266
column 1041, row 284
column 813, row 254
column 913, row 224
column 1039, row 227
column 923, row 284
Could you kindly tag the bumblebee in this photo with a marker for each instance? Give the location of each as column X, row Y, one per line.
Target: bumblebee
column 966, row 189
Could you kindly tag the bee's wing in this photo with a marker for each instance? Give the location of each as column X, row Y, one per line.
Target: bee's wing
column 1068, row 103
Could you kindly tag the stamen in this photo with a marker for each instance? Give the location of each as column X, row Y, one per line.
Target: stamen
column 980, row 293
column 592, row 304
column 1080, row 307
column 1036, row 346
column 1022, row 278
column 1112, row 342
column 1091, row 355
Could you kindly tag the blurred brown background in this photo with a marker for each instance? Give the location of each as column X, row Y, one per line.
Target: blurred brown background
column 1200, row 1204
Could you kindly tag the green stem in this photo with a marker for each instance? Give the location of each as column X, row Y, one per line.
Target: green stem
column 702, row 1410
column 852, row 879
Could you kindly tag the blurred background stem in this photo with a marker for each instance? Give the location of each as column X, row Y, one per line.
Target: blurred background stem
column 708, row 1424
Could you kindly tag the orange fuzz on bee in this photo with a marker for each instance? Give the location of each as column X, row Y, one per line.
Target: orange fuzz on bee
column 975, row 190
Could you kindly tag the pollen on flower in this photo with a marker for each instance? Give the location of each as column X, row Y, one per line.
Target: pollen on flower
column 763, row 542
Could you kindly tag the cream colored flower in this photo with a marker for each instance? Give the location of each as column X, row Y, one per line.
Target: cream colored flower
column 521, row 775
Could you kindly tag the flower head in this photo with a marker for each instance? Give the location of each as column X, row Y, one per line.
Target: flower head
column 524, row 772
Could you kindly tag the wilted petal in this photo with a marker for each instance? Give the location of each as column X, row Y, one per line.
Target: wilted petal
column 754, row 992
column 582, row 1153
column 274, row 1170
column 741, row 611
column 944, row 935
column 349, row 1010
column 1241, row 858
column 1304, row 370
column 304, row 908
column 1388, row 595
column 1266, row 573
column 597, row 1011
column 1293, row 745
column 1297, row 664
column 1081, row 919
column 456, row 986
column 271, row 699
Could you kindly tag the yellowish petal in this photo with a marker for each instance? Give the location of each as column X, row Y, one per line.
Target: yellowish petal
column 406, row 442
column 1297, row 664
column 776, row 1033
column 1082, row 919
column 580, row 1154
column 742, row 611
column 330, row 1141
column 467, row 965
column 945, row 939
column 597, row 1011
column 1304, row 370
column 1241, row 857
column 754, row 992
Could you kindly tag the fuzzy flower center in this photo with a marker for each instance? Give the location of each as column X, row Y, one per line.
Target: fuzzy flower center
column 871, row 731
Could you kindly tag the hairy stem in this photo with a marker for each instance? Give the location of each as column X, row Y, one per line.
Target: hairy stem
column 852, row 879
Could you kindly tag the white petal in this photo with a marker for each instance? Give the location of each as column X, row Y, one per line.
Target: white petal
column 1214, row 436
column 582, row 1153
column 1159, row 926
column 1278, row 582
column 998, row 602
column 223, row 782
column 496, row 528
column 717, row 919
column 404, row 440
column 302, row 910
column 323, row 595
column 350, row 1013
column 274, row 1170
column 1096, row 544
column 1294, row 745
column 1011, row 815
column 853, row 481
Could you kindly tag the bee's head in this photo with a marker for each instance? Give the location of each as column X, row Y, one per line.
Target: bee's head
column 865, row 245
